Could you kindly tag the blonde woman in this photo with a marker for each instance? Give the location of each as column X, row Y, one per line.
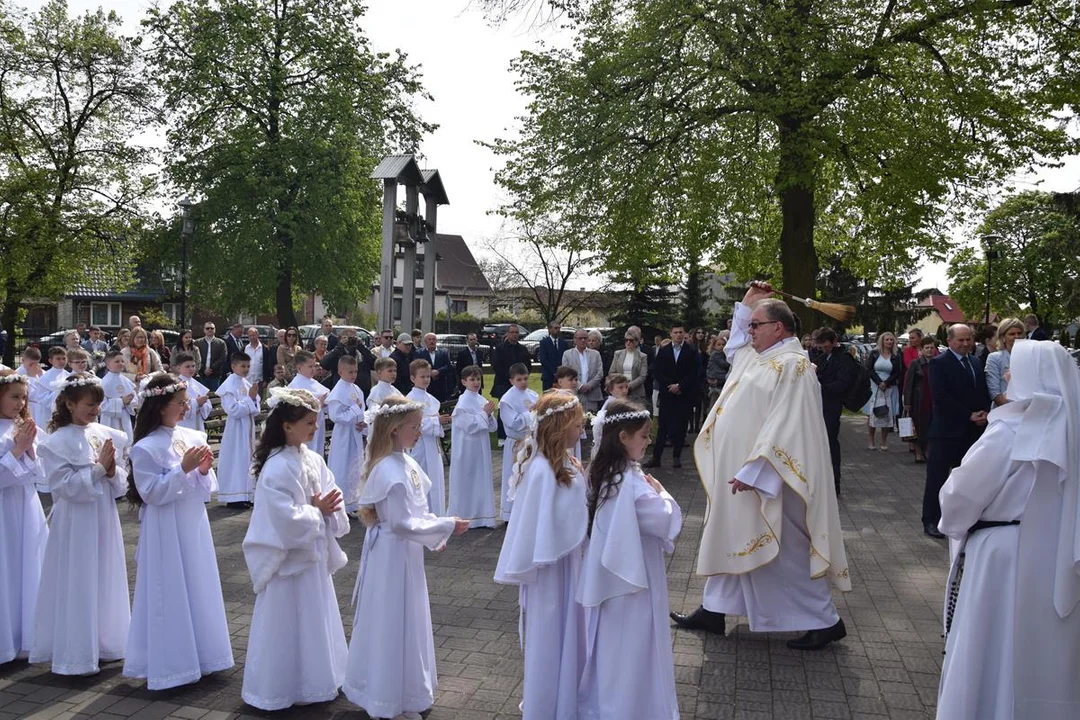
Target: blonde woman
column 391, row 666
column 997, row 363
column 140, row 359
column 157, row 342
column 886, row 370
column 286, row 353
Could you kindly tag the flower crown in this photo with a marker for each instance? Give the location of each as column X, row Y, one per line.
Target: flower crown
column 294, row 397
column 166, row 389
column 13, row 378
column 573, row 403
column 634, row 415
column 75, row 381
column 405, row 407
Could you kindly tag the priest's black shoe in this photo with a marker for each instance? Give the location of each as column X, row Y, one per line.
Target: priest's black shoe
column 701, row 619
column 677, row 462
column 931, row 530
column 817, row 639
column 654, row 463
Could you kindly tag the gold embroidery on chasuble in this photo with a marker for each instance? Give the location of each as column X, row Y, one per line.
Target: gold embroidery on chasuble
column 790, row 463
column 765, row 538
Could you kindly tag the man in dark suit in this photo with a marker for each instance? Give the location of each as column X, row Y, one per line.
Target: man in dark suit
column 473, row 354
column 234, row 343
column 325, row 328
column 503, row 356
column 836, row 373
column 215, row 357
column 550, row 354
column 676, row 370
column 961, row 403
column 403, row 355
column 440, row 367
column 1034, row 332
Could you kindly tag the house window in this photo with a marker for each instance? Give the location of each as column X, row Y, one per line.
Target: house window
column 105, row 314
column 395, row 311
column 172, row 311
column 459, row 307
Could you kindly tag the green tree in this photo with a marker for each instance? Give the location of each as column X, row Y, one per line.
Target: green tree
column 693, row 298
column 651, row 299
column 1037, row 265
column 73, row 94
column 787, row 131
column 279, row 110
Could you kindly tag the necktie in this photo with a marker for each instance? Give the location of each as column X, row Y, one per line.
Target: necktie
column 967, row 366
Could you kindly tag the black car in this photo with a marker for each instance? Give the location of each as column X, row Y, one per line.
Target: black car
column 57, row 338
column 452, row 344
column 492, row 335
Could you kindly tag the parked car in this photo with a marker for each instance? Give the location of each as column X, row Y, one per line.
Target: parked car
column 267, row 333
column 57, row 338
column 492, row 335
column 452, row 344
column 532, row 340
column 308, row 333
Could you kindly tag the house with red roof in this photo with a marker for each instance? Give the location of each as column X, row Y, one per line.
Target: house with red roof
column 936, row 311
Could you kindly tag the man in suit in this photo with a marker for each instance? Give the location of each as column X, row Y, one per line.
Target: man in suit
column 215, row 357
column 327, row 329
column 473, row 354
column 590, row 367
column 1034, row 332
column 440, row 367
column 961, row 402
column 234, row 343
column 503, row 356
column 676, row 370
column 836, row 373
column 403, row 355
column 349, row 344
column 550, row 354
column 262, row 361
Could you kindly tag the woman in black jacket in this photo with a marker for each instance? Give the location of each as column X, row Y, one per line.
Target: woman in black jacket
column 886, row 368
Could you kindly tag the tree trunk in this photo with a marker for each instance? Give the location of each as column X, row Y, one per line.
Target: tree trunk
column 8, row 317
column 795, row 185
column 283, row 296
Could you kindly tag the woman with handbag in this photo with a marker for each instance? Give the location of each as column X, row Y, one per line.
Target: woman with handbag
column 886, row 373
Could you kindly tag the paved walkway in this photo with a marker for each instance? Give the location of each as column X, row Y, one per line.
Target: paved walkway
column 886, row 668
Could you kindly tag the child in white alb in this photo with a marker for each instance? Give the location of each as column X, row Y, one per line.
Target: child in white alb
column 240, row 401
column 178, row 627
column 566, row 382
column 428, row 451
column 345, row 406
column 391, row 669
column 514, row 407
column 296, row 651
column 385, row 375
column 44, row 396
column 472, row 491
column 305, row 380
column 618, row 388
column 198, row 395
column 23, row 532
column 629, row 669
column 119, row 405
column 83, row 610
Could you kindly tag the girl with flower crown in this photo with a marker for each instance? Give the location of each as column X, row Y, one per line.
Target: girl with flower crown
column 629, row 668
column 391, row 669
column 178, row 628
column 541, row 554
column 83, row 609
column 296, row 645
column 23, row 532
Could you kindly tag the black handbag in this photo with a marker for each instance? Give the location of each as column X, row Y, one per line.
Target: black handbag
column 881, row 410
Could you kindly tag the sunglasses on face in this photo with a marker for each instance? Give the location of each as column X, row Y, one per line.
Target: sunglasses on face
column 756, row 324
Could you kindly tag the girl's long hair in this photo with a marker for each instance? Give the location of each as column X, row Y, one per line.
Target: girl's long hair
column 24, row 414
column 551, row 433
column 72, row 393
column 273, row 434
column 609, row 461
column 379, row 445
column 147, row 420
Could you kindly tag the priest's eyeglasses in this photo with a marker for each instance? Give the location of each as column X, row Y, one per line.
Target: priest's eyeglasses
column 758, row 323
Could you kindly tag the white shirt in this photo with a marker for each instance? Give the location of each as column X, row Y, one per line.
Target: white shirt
column 383, row 352
column 628, row 363
column 676, row 348
column 254, row 350
column 583, row 360
column 209, row 349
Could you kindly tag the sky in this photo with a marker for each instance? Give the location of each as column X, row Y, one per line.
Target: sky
column 465, row 64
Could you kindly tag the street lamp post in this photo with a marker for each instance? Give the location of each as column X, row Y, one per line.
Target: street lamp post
column 991, row 253
column 187, row 229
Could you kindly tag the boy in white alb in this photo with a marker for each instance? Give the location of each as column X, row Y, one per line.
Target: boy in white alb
column 618, row 388
column 119, row 406
column 514, row 407
column 566, row 382
column 386, row 374
column 345, row 406
column 427, row 452
column 240, row 401
column 472, row 492
column 198, row 395
column 43, row 398
column 305, row 380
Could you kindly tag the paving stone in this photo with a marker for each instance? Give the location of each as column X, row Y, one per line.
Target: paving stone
column 888, row 665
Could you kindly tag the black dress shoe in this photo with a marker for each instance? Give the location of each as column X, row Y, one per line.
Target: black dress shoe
column 241, row 505
column 654, row 463
column 817, row 639
column 701, row 619
column 931, row 530
column 677, row 463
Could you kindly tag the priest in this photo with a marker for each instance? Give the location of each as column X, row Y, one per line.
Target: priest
column 772, row 544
